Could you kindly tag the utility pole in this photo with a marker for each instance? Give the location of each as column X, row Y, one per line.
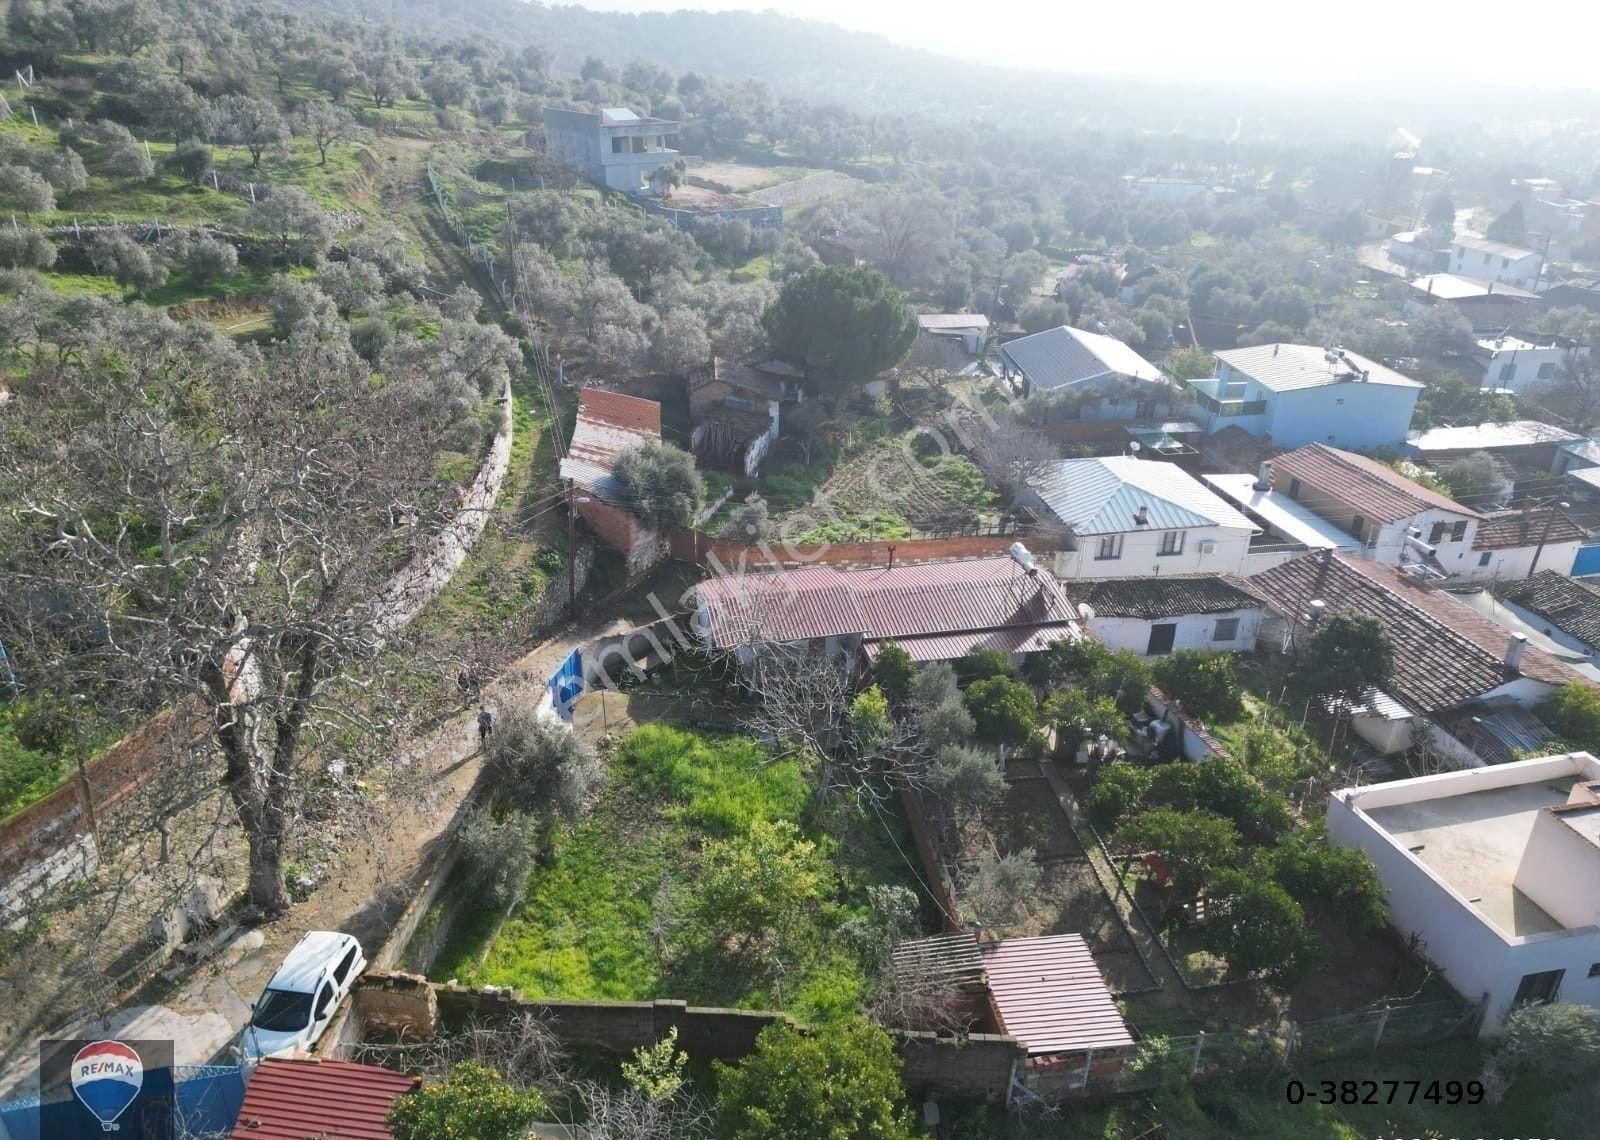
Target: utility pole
column 1544, row 535
column 572, row 550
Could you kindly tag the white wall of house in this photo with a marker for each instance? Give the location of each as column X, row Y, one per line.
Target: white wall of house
column 1474, row 955
column 1386, row 735
column 1518, row 271
column 1204, row 550
column 1523, row 368
column 1514, row 563
column 1193, row 631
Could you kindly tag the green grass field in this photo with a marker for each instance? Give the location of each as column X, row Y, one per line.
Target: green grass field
column 597, row 923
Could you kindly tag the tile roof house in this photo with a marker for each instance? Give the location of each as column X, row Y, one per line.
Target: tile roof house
column 1570, row 605
column 734, row 410
column 1155, row 616
column 608, row 424
column 1065, row 361
column 1446, row 654
column 314, row 1099
column 1376, row 504
column 936, row 611
column 1130, row 517
column 1297, row 393
column 1511, row 545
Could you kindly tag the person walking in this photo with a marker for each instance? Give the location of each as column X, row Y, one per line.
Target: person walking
column 485, row 727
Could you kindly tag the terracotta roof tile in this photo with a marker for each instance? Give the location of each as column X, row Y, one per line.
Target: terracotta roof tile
column 1446, row 653
column 1366, row 486
column 1566, row 603
column 1174, row 595
column 319, row 1100
column 1504, row 530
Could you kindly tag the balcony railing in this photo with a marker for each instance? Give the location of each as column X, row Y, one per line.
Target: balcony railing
column 1228, row 407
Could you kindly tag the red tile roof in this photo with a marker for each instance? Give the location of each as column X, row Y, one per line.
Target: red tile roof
column 1445, row 652
column 899, row 602
column 1505, row 530
column 319, row 1100
column 1171, row 595
column 1051, row 996
column 1366, row 486
column 608, row 424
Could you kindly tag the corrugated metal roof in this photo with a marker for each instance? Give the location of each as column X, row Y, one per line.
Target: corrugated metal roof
column 1282, row 514
column 319, row 1100
column 952, row 320
column 1063, row 356
column 965, row 597
column 1584, row 449
column 1051, row 996
column 1499, row 731
column 1458, row 287
column 949, row 646
column 1478, row 437
column 950, row 959
column 1367, row 487
column 608, row 424
column 1288, row 367
column 1103, row 496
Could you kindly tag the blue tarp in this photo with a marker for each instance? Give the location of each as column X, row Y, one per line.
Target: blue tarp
column 1587, row 561
column 566, row 684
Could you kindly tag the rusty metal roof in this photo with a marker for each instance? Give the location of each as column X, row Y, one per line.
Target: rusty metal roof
column 949, row 646
column 897, row 602
column 1051, row 996
column 319, row 1100
column 608, row 424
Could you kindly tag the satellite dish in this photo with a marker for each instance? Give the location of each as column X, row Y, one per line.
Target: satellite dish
column 1085, row 611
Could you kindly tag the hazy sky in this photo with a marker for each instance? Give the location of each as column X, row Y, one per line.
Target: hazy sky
column 1393, row 42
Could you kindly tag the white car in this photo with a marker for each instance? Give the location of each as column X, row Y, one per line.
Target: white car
column 299, row 1001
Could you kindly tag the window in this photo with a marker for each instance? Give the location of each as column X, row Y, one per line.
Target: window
column 1505, row 263
column 1547, row 370
column 1145, row 409
column 1594, row 970
column 282, row 1011
column 1483, row 559
column 1110, row 547
column 1294, row 488
column 1340, row 400
column 1171, row 543
column 1227, row 629
column 619, row 146
column 324, row 1001
column 1358, row 525
column 1541, row 987
column 1436, row 533
column 1508, row 373
column 342, row 970
column 1459, row 531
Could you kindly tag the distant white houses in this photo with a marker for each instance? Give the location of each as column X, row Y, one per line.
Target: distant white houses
column 1529, row 442
column 1111, row 380
column 970, row 330
column 1494, row 871
column 1300, row 393
column 1486, row 304
column 1499, row 261
column 1136, row 518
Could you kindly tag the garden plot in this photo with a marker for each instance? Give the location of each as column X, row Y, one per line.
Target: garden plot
column 705, row 873
column 805, row 191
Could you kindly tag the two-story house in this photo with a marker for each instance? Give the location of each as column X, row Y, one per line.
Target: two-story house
column 614, row 147
column 1499, row 261
column 1298, row 393
column 1516, row 364
column 1376, row 504
column 1134, row 518
column 1095, row 376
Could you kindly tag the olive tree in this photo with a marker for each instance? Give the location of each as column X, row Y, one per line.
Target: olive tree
column 663, row 487
column 208, row 529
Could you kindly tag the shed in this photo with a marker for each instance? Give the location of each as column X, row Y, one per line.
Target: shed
column 1051, row 997
column 311, row 1099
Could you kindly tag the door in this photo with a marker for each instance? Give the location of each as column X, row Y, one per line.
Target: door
column 1161, row 639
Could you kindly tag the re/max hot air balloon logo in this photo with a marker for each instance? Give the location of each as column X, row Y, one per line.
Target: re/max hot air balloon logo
column 106, row 1079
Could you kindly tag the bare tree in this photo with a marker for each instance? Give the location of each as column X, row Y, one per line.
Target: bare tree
column 201, row 528
column 325, row 123
column 1010, row 452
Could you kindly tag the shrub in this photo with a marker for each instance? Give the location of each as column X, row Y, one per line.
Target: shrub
column 999, row 889
column 1574, row 711
column 981, row 664
column 1340, row 884
column 1259, row 929
column 1559, row 1040
column 967, row 778
column 539, row 768
column 663, row 487
column 946, row 723
column 472, row 1103
column 496, row 856
column 1194, row 844
column 1203, row 682
column 1117, row 793
column 1003, row 711
column 753, row 889
column 26, row 249
column 894, row 671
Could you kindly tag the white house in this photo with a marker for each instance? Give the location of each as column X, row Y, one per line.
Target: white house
column 1135, row 518
column 615, row 147
column 1496, row 871
column 1514, row 364
column 1110, row 380
column 970, row 330
column 1156, row 616
column 1511, row 545
column 1299, row 393
column 1376, row 504
column 1501, row 262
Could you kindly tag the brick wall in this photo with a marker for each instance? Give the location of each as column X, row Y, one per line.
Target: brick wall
column 736, row 557
column 978, row 1066
column 40, row 830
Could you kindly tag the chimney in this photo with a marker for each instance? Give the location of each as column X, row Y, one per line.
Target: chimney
column 1264, row 476
column 1275, row 350
column 1514, row 648
column 891, row 557
column 1142, row 518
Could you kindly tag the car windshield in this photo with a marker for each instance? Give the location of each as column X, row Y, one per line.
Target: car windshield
column 282, row 1011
